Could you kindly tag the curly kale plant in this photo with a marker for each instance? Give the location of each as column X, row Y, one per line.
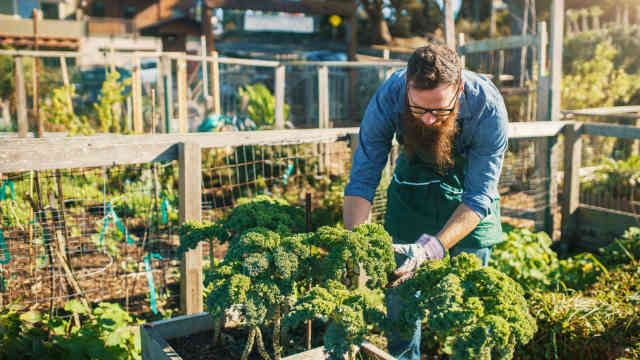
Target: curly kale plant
column 263, row 211
column 260, row 272
column 347, row 263
column 350, row 312
column 274, row 214
column 472, row 312
column 367, row 247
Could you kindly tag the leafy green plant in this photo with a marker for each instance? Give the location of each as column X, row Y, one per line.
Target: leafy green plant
column 616, row 178
column 260, row 271
column 261, row 106
column 107, row 332
column 351, row 313
column 262, row 212
column 527, row 258
column 59, row 110
column 468, row 310
column 111, row 95
column 624, row 250
column 600, row 321
column 350, row 270
column 597, row 82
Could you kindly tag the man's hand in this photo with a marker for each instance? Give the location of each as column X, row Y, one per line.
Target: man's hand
column 427, row 247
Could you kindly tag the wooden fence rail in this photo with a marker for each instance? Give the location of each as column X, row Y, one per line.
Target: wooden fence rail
column 50, row 153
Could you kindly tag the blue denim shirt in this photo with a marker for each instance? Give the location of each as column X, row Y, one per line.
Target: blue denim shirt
column 483, row 139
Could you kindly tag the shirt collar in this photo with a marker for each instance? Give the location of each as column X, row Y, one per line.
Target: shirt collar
column 463, row 110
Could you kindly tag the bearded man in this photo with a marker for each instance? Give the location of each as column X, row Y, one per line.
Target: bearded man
column 452, row 128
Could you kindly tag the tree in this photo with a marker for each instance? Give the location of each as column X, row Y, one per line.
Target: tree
column 377, row 23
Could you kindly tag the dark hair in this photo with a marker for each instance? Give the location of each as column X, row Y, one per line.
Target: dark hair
column 432, row 65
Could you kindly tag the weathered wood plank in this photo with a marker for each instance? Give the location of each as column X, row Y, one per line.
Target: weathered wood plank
column 138, row 127
column 215, row 83
column 449, row 24
column 571, row 179
column 510, row 42
column 279, row 97
column 325, row 7
column 348, row 64
column 598, row 227
column 184, row 325
column 21, row 97
column 154, row 347
column 618, row 131
column 182, row 95
column 323, row 97
column 555, row 58
column 536, row 129
column 603, row 111
column 106, row 150
column 190, row 189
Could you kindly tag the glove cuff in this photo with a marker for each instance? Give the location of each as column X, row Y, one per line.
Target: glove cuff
column 433, row 246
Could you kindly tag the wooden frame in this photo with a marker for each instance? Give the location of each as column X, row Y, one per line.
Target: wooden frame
column 50, row 153
column 154, row 336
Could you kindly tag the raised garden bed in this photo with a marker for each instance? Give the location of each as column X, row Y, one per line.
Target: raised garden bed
column 157, row 336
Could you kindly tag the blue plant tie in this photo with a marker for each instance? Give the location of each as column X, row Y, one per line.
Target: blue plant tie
column 165, row 206
column 5, row 251
column 44, row 247
column 287, row 174
column 119, row 224
column 104, row 228
column 152, row 290
column 3, row 192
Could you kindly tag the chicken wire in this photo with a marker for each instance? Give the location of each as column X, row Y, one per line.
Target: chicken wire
column 96, row 227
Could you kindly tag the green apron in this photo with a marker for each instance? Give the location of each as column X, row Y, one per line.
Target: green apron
column 420, row 200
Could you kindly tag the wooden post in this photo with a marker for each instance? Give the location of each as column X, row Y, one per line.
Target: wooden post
column 215, row 83
column 161, row 94
column 168, row 97
column 182, row 95
column 190, row 181
column 523, row 50
column 205, row 71
column 36, row 79
column 449, row 24
column 21, row 97
column 279, row 95
column 555, row 69
column 138, row 126
column 353, row 73
column 571, row 185
column 463, row 58
column 323, row 97
column 542, row 110
column 65, row 80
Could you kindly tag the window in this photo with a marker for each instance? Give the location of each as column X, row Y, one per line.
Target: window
column 97, row 9
column 129, row 12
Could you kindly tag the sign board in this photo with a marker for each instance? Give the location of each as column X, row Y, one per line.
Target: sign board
column 284, row 22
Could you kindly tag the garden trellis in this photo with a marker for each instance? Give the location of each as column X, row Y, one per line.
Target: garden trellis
column 183, row 157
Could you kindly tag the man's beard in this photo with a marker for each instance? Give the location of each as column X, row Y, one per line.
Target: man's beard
column 433, row 141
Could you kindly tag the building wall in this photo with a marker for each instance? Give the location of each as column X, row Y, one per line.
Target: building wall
column 13, row 26
column 6, row 7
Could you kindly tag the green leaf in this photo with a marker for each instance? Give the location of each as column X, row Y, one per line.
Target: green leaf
column 31, row 317
column 75, row 307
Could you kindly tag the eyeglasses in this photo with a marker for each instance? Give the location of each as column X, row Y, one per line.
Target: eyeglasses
column 439, row 113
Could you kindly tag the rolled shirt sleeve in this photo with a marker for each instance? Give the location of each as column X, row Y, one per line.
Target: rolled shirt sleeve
column 485, row 157
column 374, row 139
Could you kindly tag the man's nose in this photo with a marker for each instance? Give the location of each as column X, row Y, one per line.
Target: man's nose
column 428, row 118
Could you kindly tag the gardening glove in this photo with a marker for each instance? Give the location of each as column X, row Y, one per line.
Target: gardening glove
column 427, row 247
